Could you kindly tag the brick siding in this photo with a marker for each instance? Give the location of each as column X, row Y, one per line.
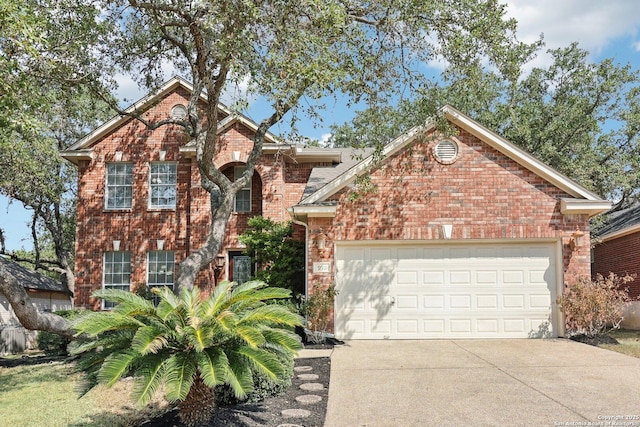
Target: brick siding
column 620, row 256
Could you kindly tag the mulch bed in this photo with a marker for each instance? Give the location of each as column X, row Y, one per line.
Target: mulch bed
column 595, row 341
column 268, row 413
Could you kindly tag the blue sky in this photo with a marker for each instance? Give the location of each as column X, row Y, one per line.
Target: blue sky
column 609, row 29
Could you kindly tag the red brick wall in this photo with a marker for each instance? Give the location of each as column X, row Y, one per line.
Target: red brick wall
column 620, row 256
column 484, row 194
column 276, row 186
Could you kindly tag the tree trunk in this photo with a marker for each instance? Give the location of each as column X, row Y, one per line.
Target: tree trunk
column 199, row 406
column 26, row 312
column 221, row 208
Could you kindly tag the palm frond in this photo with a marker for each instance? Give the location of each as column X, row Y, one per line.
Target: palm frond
column 179, row 376
column 199, row 337
column 149, row 378
column 227, row 319
column 250, row 334
column 270, row 293
column 216, row 301
column 213, row 365
column 94, row 323
column 239, row 376
column 115, row 366
column 263, row 360
column 149, row 339
column 251, row 285
column 169, row 305
column 287, row 340
column 274, row 314
column 126, row 302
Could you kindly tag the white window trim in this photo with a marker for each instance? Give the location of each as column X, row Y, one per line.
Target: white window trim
column 173, row 273
column 107, row 185
column 113, row 285
column 175, row 185
column 239, row 170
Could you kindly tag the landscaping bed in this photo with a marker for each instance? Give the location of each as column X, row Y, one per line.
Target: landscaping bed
column 268, row 412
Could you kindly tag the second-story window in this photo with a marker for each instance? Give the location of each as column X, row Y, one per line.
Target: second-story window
column 243, row 196
column 119, row 194
column 162, row 185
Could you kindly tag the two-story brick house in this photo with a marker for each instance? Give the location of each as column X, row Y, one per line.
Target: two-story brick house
column 457, row 236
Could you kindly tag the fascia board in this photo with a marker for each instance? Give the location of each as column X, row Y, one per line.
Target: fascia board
column 78, row 155
column 314, row 154
column 348, row 177
column 518, row 155
column 620, row 233
column 313, row 211
column 582, row 206
column 245, row 121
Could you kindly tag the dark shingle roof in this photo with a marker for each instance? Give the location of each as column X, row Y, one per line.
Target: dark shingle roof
column 31, row 279
column 322, row 175
column 619, row 220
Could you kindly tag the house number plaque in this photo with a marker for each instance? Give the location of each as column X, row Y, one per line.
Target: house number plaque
column 321, row 267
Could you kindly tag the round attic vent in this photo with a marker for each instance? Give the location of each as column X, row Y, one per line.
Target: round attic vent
column 178, row 112
column 446, row 151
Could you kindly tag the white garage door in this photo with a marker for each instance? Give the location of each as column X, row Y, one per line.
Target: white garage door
column 397, row 291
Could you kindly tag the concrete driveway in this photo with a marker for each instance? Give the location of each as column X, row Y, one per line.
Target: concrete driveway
column 481, row 383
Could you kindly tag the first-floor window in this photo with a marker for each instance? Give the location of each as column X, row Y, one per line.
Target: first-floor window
column 160, row 270
column 117, row 273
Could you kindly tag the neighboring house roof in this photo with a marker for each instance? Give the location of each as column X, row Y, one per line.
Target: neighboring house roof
column 31, row 279
column 620, row 223
column 582, row 201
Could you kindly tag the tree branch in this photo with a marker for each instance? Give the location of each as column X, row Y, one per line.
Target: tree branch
column 26, row 312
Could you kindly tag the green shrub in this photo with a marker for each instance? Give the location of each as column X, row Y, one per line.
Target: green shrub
column 54, row 344
column 317, row 308
column 280, row 258
column 594, row 307
column 263, row 385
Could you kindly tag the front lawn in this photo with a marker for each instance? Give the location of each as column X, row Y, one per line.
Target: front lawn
column 629, row 342
column 43, row 394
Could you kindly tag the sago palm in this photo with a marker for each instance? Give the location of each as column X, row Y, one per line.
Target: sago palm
column 187, row 343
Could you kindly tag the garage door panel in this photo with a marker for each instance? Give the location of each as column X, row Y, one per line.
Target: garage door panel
column 429, row 291
column 459, row 278
column 489, row 302
column 431, row 278
column 433, row 301
column 489, row 278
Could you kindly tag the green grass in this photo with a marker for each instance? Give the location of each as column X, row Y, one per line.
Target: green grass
column 629, row 342
column 45, row 395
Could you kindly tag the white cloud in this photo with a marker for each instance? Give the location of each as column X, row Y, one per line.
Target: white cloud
column 594, row 24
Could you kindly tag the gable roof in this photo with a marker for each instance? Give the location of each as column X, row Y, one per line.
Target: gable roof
column 32, row 279
column 621, row 223
column 81, row 150
column 582, row 201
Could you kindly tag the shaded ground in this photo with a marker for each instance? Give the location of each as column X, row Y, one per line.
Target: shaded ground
column 268, row 413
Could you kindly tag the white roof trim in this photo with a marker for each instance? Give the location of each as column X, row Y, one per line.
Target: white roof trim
column 313, row 211
column 119, row 120
column 518, row 155
column 492, row 139
column 620, row 233
column 348, row 177
column 582, row 206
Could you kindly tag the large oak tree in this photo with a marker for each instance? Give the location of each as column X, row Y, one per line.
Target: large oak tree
column 292, row 54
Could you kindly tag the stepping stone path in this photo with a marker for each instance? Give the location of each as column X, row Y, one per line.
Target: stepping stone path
column 304, row 399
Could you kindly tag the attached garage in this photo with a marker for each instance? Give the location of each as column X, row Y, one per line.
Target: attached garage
column 400, row 290
column 460, row 235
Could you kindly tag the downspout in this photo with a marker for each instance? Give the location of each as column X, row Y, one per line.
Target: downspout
column 291, row 211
